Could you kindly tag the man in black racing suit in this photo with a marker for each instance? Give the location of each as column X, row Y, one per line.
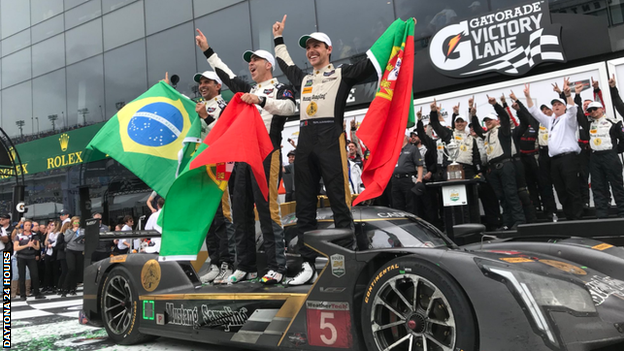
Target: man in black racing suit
column 321, row 150
column 275, row 101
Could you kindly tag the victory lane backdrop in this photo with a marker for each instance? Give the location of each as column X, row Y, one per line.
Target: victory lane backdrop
column 152, row 136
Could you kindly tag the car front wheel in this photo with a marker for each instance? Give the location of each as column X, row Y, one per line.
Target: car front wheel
column 413, row 305
column 119, row 307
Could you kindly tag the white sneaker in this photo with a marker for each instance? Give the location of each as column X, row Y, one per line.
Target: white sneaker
column 272, row 277
column 307, row 275
column 211, row 275
column 224, row 274
column 239, row 276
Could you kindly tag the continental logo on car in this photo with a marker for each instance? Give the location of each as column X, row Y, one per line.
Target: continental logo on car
column 374, row 282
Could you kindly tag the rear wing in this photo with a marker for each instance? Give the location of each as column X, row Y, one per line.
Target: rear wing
column 93, row 236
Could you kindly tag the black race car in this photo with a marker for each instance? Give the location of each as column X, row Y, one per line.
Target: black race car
column 408, row 287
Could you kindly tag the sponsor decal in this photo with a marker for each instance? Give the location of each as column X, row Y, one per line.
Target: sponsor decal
column 309, row 83
column 374, row 282
column 454, row 196
column 226, row 318
column 312, row 109
column 602, row 247
column 150, row 275
column 327, row 74
column 327, row 80
column 268, row 91
column 338, row 265
column 297, row 339
column 307, row 90
column 566, row 267
column 396, row 214
column 510, row 41
column 160, row 318
column 211, row 109
column 601, row 288
column 182, row 316
column 597, row 141
column 329, row 324
column 463, row 148
column 118, row 259
column 327, row 305
column 515, row 259
column 288, row 94
column 332, row 290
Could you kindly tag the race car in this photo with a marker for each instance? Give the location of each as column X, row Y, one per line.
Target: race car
column 406, row 287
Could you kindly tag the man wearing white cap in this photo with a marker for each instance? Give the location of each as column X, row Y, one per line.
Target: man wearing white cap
column 275, row 101
column 605, row 167
column 321, row 150
column 499, row 150
column 213, row 104
column 563, row 149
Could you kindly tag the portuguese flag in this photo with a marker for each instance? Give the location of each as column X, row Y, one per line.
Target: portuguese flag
column 392, row 110
column 238, row 136
column 152, row 136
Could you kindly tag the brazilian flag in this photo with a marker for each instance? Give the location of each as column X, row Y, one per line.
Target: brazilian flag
column 153, row 136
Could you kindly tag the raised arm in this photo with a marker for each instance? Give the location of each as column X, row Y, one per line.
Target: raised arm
column 228, row 77
column 615, row 96
column 287, row 65
column 444, row 133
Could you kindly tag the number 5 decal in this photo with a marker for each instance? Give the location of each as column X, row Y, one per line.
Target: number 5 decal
column 325, row 324
column 329, row 324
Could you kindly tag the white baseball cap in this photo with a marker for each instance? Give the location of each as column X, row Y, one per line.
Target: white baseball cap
column 552, row 102
column 491, row 116
column 460, row 117
column 207, row 74
column 322, row 37
column 260, row 53
column 594, row 104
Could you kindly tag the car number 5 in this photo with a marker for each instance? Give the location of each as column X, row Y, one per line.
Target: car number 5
column 326, row 318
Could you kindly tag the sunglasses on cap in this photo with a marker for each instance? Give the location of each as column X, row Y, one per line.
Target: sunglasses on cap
column 592, row 109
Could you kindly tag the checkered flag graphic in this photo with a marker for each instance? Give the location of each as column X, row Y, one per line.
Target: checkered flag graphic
column 541, row 47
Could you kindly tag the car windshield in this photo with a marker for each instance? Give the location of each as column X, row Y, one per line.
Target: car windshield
column 404, row 232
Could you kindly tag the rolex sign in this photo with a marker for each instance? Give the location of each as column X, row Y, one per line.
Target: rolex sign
column 510, row 41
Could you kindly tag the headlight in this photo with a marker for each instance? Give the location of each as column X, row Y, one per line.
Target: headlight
column 537, row 292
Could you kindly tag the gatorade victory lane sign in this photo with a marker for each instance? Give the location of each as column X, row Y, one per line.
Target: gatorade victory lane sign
column 509, row 41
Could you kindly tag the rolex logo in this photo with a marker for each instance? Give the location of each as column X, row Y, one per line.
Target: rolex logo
column 13, row 155
column 64, row 141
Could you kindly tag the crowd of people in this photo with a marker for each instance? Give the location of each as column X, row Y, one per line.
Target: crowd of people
column 48, row 257
column 520, row 153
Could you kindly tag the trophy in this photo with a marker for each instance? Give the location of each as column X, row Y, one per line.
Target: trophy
column 454, row 171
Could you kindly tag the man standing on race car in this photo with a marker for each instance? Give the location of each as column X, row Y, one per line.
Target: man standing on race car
column 209, row 109
column 321, row 151
column 274, row 101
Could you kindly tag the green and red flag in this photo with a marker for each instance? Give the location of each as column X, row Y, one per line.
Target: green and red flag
column 392, row 110
column 152, row 136
column 238, row 136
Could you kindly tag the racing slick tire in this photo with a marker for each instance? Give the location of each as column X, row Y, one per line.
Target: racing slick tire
column 119, row 305
column 410, row 304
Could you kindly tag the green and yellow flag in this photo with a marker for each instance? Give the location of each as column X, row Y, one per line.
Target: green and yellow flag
column 153, row 136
